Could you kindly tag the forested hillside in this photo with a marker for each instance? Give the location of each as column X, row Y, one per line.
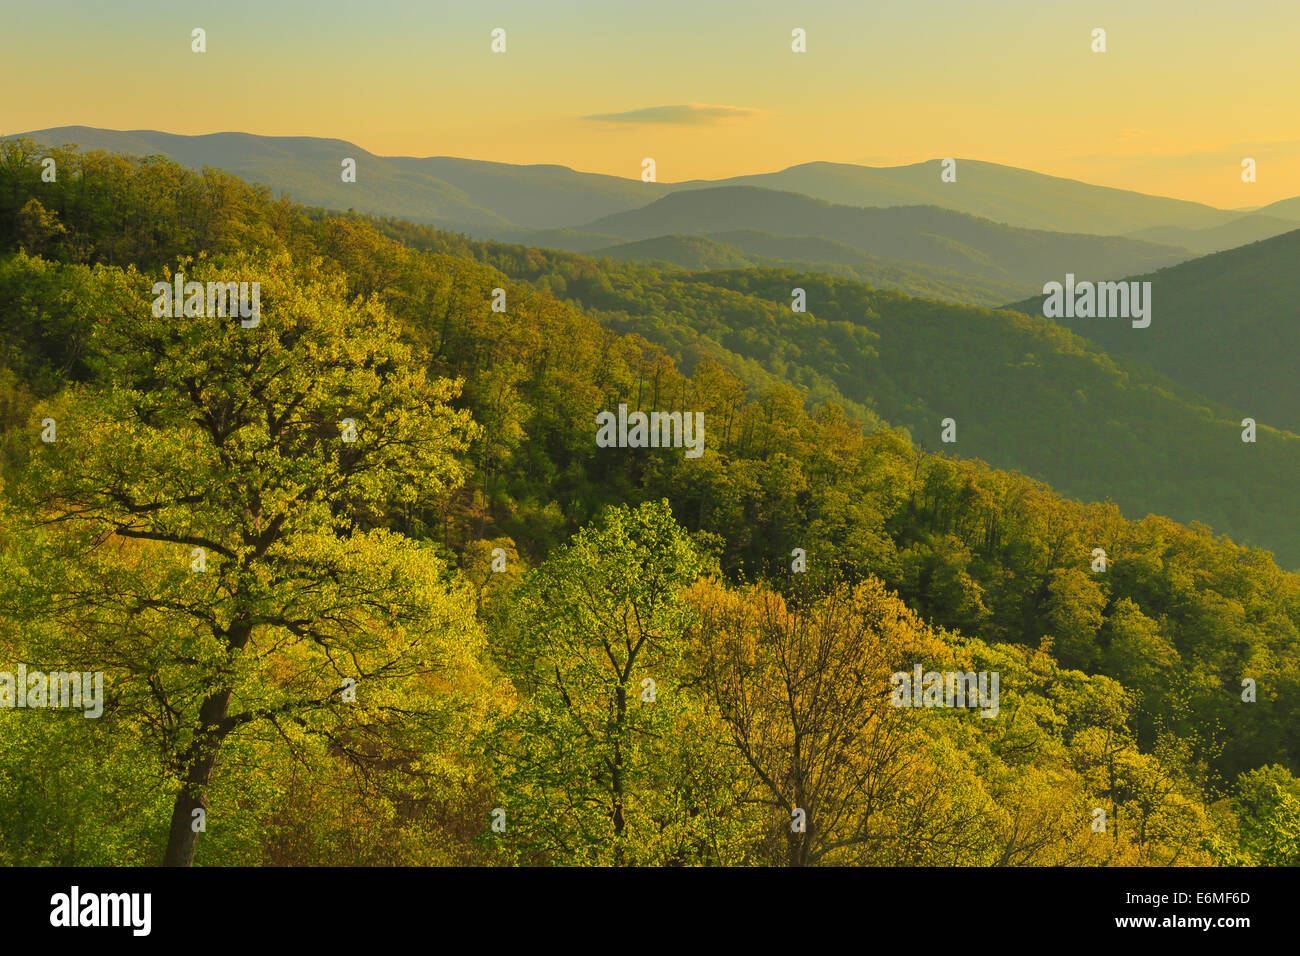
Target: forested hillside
column 558, row 652
column 1224, row 325
column 1025, row 393
column 748, row 248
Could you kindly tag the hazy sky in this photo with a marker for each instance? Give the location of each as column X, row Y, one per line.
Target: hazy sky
column 709, row 88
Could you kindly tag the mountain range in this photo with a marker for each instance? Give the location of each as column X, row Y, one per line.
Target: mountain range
column 993, row 235
column 1025, row 393
column 928, row 235
column 1151, row 414
column 496, row 197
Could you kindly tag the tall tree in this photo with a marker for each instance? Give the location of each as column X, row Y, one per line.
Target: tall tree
column 612, row 758
column 805, row 692
column 213, row 516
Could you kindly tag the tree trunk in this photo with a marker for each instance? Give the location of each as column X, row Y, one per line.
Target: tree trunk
column 617, row 782
column 797, row 847
column 193, row 793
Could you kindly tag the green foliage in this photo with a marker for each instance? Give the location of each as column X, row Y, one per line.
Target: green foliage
column 373, row 560
column 610, row 759
column 202, row 533
column 1220, row 328
column 1267, row 802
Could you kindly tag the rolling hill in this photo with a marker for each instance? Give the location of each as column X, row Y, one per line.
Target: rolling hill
column 493, row 199
column 1017, row 197
column 1230, row 235
column 923, row 234
column 688, row 252
column 1283, row 209
column 747, row 247
column 1026, row 394
column 483, row 197
column 1226, row 325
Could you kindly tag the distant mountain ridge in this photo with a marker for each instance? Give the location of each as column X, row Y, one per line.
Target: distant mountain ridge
column 492, row 199
column 489, row 198
column 1006, row 194
column 935, row 237
column 1229, row 235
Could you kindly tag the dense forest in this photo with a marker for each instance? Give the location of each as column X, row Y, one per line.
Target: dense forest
column 1228, row 328
column 1026, row 394
column 750, row 248
column 365, row 589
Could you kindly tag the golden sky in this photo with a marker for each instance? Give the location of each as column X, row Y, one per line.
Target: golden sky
column 1185, row 90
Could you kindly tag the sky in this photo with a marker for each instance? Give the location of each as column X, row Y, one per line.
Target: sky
column 708, row 88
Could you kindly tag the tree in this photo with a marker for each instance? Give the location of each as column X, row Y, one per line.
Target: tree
column 38, row 228
column 1267, row 803
column 1073, row 613
column 209, row 534
column 805, row 693
column 611, row 758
